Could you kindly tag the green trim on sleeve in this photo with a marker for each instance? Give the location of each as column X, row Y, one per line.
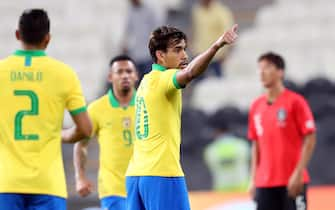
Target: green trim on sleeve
column 78, row 111
column 175, row 82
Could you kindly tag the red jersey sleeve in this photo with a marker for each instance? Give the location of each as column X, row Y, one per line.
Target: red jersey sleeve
column 304, row 117
column 252, row 135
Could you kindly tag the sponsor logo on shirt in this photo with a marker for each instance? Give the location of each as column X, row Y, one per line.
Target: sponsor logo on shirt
column 281, row 117
column 126, row 122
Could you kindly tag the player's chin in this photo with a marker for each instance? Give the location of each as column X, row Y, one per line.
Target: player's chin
column 266, row 84
column 126, row 88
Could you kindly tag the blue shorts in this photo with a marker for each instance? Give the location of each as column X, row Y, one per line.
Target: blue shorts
column 154, row 192
column 113, row 203
column 17, row 201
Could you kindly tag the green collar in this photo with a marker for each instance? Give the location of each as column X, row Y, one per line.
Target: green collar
column 158, row 67
column 30, row 53
column 114, row 102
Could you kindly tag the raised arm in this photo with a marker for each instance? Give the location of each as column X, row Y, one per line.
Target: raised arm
column 200, row 63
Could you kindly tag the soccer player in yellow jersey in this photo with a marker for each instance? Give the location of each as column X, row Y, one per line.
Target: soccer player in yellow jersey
column 31, row 109
column 155, row 180
column 113, row 117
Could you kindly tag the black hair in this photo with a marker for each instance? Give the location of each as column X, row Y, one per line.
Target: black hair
column 273, row 58
column 121, row 58
column 34, row 25
column 163, row 37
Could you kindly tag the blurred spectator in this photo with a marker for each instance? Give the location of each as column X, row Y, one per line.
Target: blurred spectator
column 227, row 158
column 141, row 21
column 210, row 19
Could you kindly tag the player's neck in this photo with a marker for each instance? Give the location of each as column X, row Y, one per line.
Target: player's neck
column 124, row 98
column 32, row 47
column 273, row 92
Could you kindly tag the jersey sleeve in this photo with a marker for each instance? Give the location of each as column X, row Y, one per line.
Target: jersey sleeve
column 75, row 101
column 304, row 117
column 169, row 81
column 94, row 119
column 252, row 134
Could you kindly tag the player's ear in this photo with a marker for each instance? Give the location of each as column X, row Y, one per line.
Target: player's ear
column 110, row 75
column 160, row 55
column 17, row 35
column 47, row 39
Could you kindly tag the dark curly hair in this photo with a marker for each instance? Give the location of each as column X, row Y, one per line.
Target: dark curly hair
column 164, row 37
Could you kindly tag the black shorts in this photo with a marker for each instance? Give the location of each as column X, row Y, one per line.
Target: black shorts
column 276, row 198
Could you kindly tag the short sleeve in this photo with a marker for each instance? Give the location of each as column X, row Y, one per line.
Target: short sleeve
column 252, row 134
column 169, row 81
column 304, row 117
column 94, row 119
column 75, row 101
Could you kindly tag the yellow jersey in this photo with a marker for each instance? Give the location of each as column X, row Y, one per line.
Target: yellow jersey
column 157, row 125
column 34, row 92
column 113, row 124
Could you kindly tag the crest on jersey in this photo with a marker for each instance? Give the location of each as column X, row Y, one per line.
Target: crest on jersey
column 126, row 122
column 282, row 115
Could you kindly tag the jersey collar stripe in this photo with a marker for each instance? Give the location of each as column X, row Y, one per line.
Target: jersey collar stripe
column 30, row 53
column 158, row 67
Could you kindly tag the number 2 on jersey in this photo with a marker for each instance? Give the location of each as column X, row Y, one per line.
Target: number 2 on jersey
column 18, row 135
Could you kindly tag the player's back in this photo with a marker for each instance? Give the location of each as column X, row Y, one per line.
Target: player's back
column 34, row 91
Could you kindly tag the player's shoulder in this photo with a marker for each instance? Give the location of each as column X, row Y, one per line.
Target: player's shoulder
column 98, row 103
column 259, row 100
column 169, row 72
column 60, row 66
column 5, row 61
column 160, row 75
column 2, row 62
column 294, row 96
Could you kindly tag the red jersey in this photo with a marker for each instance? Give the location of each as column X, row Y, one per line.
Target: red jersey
column 279, row 128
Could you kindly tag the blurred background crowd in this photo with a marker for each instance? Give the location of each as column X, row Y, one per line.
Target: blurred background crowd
column 215, row 152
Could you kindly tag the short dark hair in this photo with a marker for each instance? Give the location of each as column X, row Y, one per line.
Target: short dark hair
column 121, row 58
column 163, row 37
column 273, row 58
column 34, row 25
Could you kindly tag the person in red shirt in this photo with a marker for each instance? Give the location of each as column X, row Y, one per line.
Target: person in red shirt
column 282, row 130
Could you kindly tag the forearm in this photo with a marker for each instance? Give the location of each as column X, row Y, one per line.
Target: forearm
column 72, row 135
column 254, row 159
column 197, row 66
column 79, row 159
column 307, row 152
